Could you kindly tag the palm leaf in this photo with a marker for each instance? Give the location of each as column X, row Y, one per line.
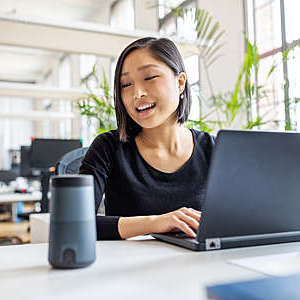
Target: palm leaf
column 214, row 51
column 202, row 36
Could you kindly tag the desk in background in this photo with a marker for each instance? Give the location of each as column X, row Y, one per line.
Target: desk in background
column 14, row 198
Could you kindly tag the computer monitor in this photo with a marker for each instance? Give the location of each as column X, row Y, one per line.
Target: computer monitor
column 45, row 153
column 25, row 165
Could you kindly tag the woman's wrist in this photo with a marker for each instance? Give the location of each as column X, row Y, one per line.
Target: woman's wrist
column 133, row 226
column 151, row 221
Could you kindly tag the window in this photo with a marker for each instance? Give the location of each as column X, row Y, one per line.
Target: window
column 170, row 24
column 274, row 26
column 165, row 6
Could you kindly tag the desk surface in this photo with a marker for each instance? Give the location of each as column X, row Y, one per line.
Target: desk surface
column 18, row 197
column 126, row 270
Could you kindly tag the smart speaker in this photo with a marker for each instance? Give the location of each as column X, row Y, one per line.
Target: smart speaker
column 72, row 237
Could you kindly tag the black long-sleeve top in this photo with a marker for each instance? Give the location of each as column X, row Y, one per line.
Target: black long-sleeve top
column 134, row 188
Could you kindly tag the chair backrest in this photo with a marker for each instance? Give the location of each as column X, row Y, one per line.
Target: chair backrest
column 70, row 162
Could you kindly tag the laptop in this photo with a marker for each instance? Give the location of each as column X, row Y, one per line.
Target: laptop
column 253, row 192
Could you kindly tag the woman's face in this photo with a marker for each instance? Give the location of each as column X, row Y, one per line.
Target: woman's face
column 149, row 89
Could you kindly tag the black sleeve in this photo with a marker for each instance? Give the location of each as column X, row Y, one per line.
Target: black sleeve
column 98, row 162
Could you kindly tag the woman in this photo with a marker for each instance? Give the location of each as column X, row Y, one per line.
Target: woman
column 152, row 169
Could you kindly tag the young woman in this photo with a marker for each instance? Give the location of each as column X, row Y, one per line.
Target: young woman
column 152, row 169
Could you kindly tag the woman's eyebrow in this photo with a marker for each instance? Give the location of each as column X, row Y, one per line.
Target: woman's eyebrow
column 147, row 66
column 142, row 68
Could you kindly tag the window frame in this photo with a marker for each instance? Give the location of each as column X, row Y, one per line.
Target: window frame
column 252, row 34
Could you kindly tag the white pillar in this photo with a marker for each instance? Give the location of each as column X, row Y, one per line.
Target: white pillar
column 225, row 71
column 146, row 15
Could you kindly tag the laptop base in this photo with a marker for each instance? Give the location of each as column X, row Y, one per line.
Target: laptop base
column 229, row 242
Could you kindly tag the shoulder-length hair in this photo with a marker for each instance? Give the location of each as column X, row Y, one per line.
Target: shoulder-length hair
column 165, row 51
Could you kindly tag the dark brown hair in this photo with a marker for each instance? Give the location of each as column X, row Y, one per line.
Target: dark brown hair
column 164, row 50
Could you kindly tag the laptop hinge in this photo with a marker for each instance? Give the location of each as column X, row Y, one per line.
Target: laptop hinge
column 212, row 244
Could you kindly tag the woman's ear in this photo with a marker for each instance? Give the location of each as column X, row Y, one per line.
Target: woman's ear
column 181, row 82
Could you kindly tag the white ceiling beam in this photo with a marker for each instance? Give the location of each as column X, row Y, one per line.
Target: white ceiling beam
column 38, row 115
column 40, row 92
column 75, row 37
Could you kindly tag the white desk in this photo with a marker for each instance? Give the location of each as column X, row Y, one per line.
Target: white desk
column 39, row 228
column 18, row 197
column 14, row 198
column 134, row 269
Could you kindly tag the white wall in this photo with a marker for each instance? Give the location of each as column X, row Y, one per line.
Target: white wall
column 230, row 15
column 146, row 15
column 122, row 16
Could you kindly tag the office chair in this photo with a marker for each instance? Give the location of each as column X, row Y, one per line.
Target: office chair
column 70, row 162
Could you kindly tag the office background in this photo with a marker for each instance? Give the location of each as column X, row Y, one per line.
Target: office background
column 47, row 48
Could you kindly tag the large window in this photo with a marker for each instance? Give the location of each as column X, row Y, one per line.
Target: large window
column 172, row 25
column 274, row 26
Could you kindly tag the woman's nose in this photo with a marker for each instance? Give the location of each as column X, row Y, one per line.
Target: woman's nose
column 139, row 92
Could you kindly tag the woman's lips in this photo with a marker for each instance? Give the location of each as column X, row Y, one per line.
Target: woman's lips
column 142, row 105
column 144, row 109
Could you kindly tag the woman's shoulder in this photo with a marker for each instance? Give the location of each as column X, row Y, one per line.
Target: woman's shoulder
column 102, row 149
column 109, row 139
column 203, row 137
column 204, row 143
column 109, row 142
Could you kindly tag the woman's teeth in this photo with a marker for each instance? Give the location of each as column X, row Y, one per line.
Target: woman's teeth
column 144, row 107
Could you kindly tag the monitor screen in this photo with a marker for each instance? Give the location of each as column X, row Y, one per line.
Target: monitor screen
column 25, row 165
column 45, row 153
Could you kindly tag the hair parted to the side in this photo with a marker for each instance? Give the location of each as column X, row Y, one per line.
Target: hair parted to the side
column 164, row 50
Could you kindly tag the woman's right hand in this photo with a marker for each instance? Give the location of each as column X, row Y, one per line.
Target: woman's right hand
column 183, row 219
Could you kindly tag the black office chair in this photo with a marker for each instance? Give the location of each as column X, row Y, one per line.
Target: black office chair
column 70, row 162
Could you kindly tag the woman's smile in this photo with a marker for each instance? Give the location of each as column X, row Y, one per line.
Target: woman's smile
column 144, row 109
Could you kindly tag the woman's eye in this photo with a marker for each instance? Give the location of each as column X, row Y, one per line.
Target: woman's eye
column 151, row 77
column 125, row 85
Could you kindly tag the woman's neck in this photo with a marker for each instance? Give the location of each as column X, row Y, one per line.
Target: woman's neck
column 167, row 138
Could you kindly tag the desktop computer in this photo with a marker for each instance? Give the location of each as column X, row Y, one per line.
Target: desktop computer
column 26, row 169
column 45, row 153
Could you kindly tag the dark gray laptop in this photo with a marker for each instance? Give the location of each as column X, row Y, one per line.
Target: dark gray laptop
column 253, row 192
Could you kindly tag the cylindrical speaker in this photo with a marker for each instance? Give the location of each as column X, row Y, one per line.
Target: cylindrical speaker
column 72, row 237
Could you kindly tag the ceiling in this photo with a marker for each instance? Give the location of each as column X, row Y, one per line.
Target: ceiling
column 26, row 65
column 51, row 28
column 66, row 10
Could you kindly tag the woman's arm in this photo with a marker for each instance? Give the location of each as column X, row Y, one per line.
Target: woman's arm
column 183, row 219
